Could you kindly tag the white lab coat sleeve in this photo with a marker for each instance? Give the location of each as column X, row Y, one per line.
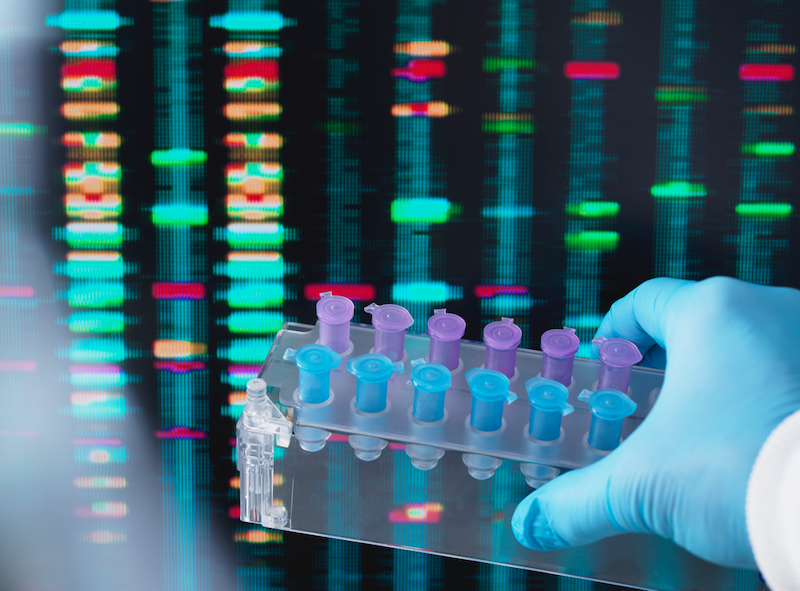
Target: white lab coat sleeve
column 773, row 506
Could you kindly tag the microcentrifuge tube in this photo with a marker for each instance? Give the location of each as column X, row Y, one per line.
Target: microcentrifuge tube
column 481, row 467
column 431, row 381
column 537, row 475
column 502, row 339
column 489, row 391
column 311, row 438
column 617, row 356
column 559, row 347
column 446, row 331
column 390, row 322
column 367, row 448
column 548, row 400
column 314, row 363
column 372, row 373
column 608, row 408
column 334, row 314
column 423, row 457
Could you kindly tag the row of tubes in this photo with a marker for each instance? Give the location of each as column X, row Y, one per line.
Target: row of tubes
column 489, row 385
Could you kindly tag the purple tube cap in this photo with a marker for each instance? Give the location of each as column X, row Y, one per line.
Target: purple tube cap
column 502, row 335
column 560, row 343
column 333, row 309
column 444, row 326
column 617, row 352
column 389, row 317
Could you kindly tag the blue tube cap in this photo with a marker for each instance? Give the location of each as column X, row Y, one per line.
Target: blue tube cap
column 313, row 358
column 430, row 377
column 374, row 368
column 489, row 385
column 608, row 405
column 548, row 395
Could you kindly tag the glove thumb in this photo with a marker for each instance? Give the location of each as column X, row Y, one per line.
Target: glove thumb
column 571, row 510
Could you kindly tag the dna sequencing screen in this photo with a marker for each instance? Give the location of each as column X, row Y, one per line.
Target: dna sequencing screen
column 180, row 178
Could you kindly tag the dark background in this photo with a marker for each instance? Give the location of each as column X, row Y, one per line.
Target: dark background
column 43, row 542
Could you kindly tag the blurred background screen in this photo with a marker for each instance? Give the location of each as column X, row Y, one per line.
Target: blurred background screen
column 180, row 178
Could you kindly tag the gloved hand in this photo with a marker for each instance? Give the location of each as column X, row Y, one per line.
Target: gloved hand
column 732, row 375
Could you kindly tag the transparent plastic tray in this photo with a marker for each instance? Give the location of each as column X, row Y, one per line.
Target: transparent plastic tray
column 330, row 492
column 454, row 432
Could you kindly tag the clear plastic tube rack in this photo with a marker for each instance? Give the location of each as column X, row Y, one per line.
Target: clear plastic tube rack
column 394, row 424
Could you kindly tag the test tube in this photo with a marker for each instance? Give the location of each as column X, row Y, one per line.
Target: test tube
column 608, row 407
column 423, row 457
column 334, row 314
column 390, row 322
column 617, row 356
column 559, row 347
column 446, row 331
column 311, row 439
column 367, row 448
column 502, row 339
column 481, row 467
column 372, row 373
column 314, row 363
column 431, row 381
column 537, row 475
column 548, row 400
column 489, row 389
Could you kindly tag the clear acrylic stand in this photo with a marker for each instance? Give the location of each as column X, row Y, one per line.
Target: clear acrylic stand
column 387, row 479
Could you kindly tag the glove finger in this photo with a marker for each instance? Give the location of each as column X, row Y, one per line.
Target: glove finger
column 656, row 357
column 642, row 315
column 568, row 511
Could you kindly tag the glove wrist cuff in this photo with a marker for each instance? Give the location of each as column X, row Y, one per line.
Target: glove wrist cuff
column 772, row 509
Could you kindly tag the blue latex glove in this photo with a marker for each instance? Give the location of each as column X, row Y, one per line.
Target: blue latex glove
column 733, row 374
